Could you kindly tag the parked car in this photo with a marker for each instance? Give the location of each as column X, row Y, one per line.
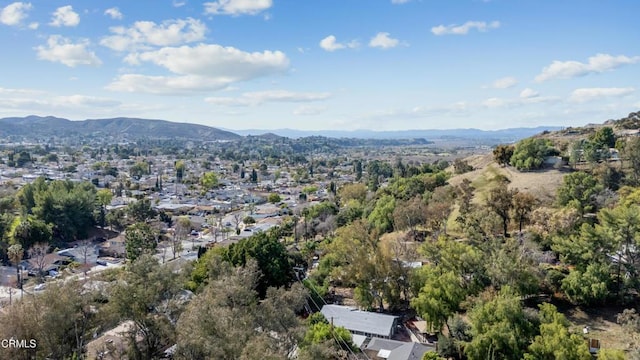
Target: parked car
column 101, row 262
column 40, row 287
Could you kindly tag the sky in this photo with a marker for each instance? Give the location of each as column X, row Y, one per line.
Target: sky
column 323, row 64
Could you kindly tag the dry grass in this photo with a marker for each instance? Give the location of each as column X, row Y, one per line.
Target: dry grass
column 542, row 183
column 602, row 326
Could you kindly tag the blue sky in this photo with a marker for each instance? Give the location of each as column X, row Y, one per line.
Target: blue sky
column 323, row 64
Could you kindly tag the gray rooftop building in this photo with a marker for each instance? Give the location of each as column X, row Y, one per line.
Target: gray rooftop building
column 361, row 322
column 396, row 350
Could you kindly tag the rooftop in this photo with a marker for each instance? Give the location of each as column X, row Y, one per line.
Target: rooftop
column 361, row 321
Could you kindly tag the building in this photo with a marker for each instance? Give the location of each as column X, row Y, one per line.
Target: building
column 360, row 322
column 396, row 350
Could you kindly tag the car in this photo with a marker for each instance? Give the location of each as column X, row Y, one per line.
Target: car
column 101, row 262
column 40, row 287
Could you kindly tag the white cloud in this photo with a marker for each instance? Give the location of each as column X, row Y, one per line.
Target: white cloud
column 384, row 41
column 237, row 7
column 65, row 16
column 179, row 3
column 528, row 93
column 19, row 91
column 143, row 34
column 114, row 13
column 306, row 110
column 204, row 67
column 496, row 103
column 14, row 13
column 595, row 64
column 56, row 103
column 34, row 26
column 260, row 97
column 83, row 100
column 62, row 50
column 166, row 85
column 464, row 29
column 591, row 94
column 505, row 83
column 330, row 43
column 399, row 1
column 217, row 61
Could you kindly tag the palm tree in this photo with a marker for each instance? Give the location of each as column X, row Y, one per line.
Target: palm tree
column 15, row 253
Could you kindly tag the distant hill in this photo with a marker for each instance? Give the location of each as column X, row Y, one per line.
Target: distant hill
column 505, row 135
column 37, row 126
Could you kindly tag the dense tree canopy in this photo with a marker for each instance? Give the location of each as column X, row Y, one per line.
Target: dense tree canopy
column 529, row 153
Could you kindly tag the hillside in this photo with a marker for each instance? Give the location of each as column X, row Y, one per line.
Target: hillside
column 543, row 183
column 36, row 126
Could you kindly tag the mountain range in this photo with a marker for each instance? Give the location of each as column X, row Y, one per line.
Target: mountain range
column 37, row 126
column 506, row 135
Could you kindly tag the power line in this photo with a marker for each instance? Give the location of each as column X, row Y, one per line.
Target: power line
column 340, row 341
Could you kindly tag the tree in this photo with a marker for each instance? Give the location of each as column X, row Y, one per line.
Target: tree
column 502, row 154
column 578, row 190
column 513, row 264
column 589, row 286
column 226, row 320
column 180, row 234
column 271, row 256
column 141, row 210
column 115, row 219
column 523, row 204
column 631, row 152
column 352, row 191
column 30, row 231
column 382, row 215
column 439, row 298
column 180, row 168
column 139, row 169
column 274, row 198
column 104, row 197
column 254, row 176
column 529, row 153
column 500, row 328
column 604, row 138
column 629, row 319
column 358, row 169
column 430, row 355
column 464, row 196
column 611, row 354
column 139, row 239
column 555, row 341
column 208, row 181
column 500, row 201
column 149, row 296
column 439, row 208
column 15, row 254
column 322, row 331
column 409, row 214
column 37, row 253
column 71, row 308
